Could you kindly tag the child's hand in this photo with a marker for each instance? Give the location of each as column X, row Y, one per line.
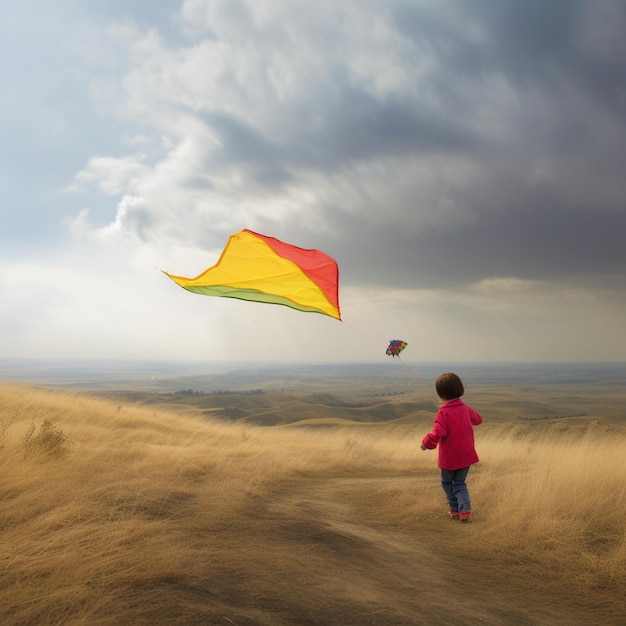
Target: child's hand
column 424, row 447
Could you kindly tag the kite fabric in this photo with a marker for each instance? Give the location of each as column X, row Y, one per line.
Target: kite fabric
column 395, row 347
column 258, row 268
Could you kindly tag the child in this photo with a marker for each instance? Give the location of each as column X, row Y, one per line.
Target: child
column 453, row 431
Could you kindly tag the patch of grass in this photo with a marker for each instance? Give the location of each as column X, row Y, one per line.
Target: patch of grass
column 49, row 440
column 5, row 425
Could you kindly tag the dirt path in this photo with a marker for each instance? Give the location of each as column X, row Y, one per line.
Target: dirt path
column 327, row 559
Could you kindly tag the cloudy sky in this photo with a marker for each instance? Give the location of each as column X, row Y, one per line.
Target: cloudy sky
column 462, row 161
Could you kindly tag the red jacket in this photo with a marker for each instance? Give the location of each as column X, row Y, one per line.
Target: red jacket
column 453, row 431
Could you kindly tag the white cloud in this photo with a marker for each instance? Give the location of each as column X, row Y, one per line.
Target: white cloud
column 111, row 175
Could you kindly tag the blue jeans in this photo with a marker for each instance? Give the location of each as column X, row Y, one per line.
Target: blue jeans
column 453, row 483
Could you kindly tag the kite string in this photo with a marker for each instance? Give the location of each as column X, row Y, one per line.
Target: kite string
column 381, row 340
column 411, row 371
column 358, row 330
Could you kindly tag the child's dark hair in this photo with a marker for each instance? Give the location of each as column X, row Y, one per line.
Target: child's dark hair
column 449, row 386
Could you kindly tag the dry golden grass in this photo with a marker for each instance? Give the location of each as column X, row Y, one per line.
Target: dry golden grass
column 113, row 514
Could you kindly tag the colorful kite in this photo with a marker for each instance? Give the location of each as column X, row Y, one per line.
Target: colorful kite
column 263, row 269
column 395, row 347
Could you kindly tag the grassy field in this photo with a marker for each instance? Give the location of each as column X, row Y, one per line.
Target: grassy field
column 114, row 512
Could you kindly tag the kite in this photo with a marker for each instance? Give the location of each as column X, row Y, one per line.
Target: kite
column 258, row 268
column 395, row 347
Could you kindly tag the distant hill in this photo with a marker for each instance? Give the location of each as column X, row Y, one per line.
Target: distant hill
column 562, row 402
column 274, row 408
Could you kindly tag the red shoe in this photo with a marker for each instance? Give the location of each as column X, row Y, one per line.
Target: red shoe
column 465, row 517
column 454, row 515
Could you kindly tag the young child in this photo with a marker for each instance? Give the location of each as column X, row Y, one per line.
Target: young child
column 454, row 433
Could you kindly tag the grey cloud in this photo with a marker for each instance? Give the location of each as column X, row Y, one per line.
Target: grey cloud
column 526, row 42
column 357, row 127
column 544, row 198
column 535, row 243
column 246, row 147
column 363, row 127
column 530, row 41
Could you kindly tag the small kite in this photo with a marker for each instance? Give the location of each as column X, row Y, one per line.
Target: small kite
column 264, row 269
column 395, row 347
